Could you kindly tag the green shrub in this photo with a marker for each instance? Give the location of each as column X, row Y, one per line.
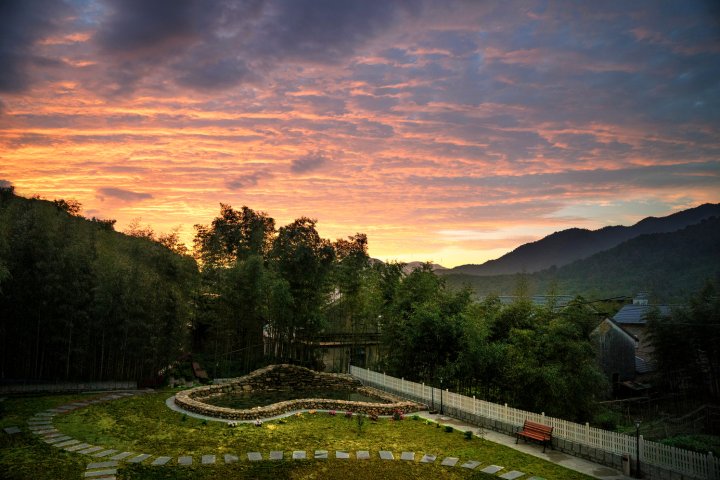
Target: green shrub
column 448, row 429
column 697, row 443
column 468, row 435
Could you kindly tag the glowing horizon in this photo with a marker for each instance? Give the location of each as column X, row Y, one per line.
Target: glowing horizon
column 449, row 132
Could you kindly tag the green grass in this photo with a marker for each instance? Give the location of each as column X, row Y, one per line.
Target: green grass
column 145, row 425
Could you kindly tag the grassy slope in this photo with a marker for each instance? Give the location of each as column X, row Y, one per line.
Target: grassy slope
column 145, row 424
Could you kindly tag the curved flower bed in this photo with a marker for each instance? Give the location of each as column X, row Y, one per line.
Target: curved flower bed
column 276, row 377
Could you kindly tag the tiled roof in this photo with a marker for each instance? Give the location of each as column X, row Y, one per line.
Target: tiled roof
column 635, row 314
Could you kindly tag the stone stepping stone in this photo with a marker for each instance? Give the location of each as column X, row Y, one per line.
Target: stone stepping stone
column 512, row 475
column 139, row 458
column 61, row 438
column 208, row 459
column 386, row 455
column 161, row 461
column 254, row 456
column 43, row 431
column 105, row 453
column 362, row 455
column 230, row 458
column 299, row 455
column 492, row 469
column 121, row 456
column 66, row 443
column 428, row 458
column 449, row 461
column 185, row 460
column 48, row 436
column 45, row 414
column 101, row 473
column 12, row 430
column 96, row 465
column 90, row 450
column 321, row 454
column 276, row 455
column 535, row 478
column 342, row 455
column 408, row 456
column 471, row 464
column 80, row 446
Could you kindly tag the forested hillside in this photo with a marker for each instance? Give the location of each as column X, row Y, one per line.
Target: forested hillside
column 671, row 266
column 81, row 301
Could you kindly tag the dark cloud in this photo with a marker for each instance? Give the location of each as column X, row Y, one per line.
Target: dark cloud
column 122, row 194
column 654, row 176
column 323, row 31
column 22, row 24
column 142, row 28
column 218, row 45
column 217, row 74
column 124, row 169
column 248, row 180
column 309, row 162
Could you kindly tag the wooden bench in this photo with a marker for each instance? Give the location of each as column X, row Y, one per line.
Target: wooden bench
column 535, row 431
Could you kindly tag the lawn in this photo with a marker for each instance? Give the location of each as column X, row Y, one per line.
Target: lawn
column 145, row 425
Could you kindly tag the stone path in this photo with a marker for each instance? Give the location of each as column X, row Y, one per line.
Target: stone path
column 108, row 461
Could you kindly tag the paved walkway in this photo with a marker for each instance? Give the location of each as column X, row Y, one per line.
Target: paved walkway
column 105, row 462
column 567, row 461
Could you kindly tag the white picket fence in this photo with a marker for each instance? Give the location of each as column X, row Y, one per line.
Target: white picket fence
column 685, row 462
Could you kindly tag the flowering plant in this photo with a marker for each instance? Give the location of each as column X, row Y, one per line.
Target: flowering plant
column 332, row 413
column 348, row 414
column 398, row 415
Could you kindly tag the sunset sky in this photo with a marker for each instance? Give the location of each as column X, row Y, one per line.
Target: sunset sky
column 450, row 131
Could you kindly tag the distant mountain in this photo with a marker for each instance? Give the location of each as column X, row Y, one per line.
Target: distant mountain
column 566, row 246
column 669, row 265
column 410, row 266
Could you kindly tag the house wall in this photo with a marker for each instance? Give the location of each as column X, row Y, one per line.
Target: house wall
column 615, row 352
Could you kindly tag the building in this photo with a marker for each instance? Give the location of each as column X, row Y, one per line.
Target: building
column 633, row 319
column 615, row 351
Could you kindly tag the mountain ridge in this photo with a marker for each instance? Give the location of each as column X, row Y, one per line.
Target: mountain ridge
column 670, row 265
column 566, row 246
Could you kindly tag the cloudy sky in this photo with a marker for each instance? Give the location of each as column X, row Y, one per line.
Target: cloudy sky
column 450, row 131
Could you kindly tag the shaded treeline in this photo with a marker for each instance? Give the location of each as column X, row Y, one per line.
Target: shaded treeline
column 687, row 345
column 79, row 301
column 535, row 358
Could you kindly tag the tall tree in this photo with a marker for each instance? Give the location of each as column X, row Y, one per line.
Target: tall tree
column 304, row 260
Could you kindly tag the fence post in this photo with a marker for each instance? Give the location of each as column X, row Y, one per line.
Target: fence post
column 505, row 414
column 711, row 466
column 587, row 433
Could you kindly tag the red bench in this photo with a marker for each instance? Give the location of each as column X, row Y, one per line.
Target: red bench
column 535, row 431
